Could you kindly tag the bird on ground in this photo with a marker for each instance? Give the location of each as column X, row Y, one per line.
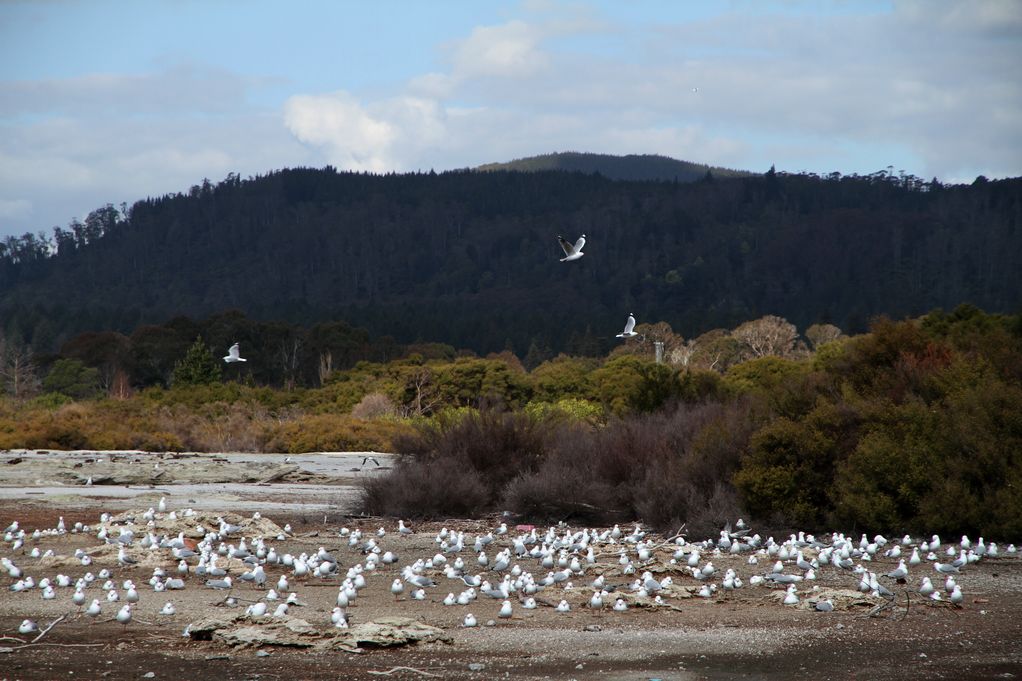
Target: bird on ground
column 168, row 609
column 234, row 355
column 470, row 620
column 124, row 614
column 94, row 608
column 629, row 331
column 224, row 583
column 899, row 572
column 572, row 252
column 28, row 627
column 505, row 610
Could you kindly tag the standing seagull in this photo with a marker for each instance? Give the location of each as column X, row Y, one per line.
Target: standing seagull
column 234, row 355
column 572, row 252
column 629, row 331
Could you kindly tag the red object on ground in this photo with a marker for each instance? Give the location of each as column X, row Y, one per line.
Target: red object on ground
column 524, row 528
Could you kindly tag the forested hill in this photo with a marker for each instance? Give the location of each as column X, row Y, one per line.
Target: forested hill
column 630, row 167
column 471, row 258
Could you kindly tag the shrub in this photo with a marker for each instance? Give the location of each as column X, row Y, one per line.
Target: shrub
column 373, row 406
column 567, row 409
column 665, row 468
column 426, row 489
column 333, row 433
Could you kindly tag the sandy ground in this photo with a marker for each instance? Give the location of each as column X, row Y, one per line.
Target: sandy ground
column 747, row 633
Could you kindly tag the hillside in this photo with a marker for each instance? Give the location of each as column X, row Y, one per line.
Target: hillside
column 631, row 167
column 471, row 258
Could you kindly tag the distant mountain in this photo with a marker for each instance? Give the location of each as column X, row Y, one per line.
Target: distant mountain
column 471, row 258
column 631, row 167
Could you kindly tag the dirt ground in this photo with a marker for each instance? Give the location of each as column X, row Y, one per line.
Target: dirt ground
column 745, row 634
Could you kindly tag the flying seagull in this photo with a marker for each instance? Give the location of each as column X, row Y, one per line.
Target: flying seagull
column 234, row 355
column 629, row 331
column 572, row 252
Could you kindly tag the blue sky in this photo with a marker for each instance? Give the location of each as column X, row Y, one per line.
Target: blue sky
column 115, row 101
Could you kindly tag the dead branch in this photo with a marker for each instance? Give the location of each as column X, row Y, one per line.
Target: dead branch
column 287, row 470
column 404, row 669
column 47, row 629
column 47, row 643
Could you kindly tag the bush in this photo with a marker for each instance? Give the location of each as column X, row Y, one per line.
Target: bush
column 498, row 445
column 426, row 489
column 567, row 409
column 666, row 469
column 333, row 433
column 374, row 406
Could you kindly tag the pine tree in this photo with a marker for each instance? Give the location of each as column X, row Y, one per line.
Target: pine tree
column 198, row 366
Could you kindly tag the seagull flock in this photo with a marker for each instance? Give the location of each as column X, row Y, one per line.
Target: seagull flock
column 517, row 570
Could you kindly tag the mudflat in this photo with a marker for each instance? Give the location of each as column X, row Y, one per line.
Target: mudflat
column 742, row 633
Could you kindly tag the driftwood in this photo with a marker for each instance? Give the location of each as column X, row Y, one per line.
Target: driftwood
column 404, row 669
column 281, row 472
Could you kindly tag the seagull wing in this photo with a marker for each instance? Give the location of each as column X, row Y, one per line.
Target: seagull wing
column 630, row 324
column 234, row 352
column 568, row 248
column 580, row 243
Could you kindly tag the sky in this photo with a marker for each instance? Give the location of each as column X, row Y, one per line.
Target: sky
column 105, row 101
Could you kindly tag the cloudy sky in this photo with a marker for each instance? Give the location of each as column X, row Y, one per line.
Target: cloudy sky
column 106, row 101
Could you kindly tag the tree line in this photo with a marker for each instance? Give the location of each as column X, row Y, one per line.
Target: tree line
column 915, row 426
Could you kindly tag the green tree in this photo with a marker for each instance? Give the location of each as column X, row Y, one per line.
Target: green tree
column 198, row 366
column 72, row 378
column 563, row 377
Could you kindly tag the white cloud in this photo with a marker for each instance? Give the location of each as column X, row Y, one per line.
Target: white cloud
column 387, row 135
column 509, row 50
column 781, row 87
column 930, row 86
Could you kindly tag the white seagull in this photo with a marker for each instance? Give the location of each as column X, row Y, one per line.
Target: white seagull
column 629, row 331
column 234, row 355
column 572, row 252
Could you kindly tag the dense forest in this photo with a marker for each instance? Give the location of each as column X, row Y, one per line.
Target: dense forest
column 471, row 258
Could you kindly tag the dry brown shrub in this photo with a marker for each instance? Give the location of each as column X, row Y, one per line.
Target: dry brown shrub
column 374, row 406
column 667, row 469
column 333, row 433
column 426, row 489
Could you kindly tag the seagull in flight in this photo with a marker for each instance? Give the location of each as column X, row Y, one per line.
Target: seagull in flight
column 629, row 331
column 572, row 252
column 234, row 355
